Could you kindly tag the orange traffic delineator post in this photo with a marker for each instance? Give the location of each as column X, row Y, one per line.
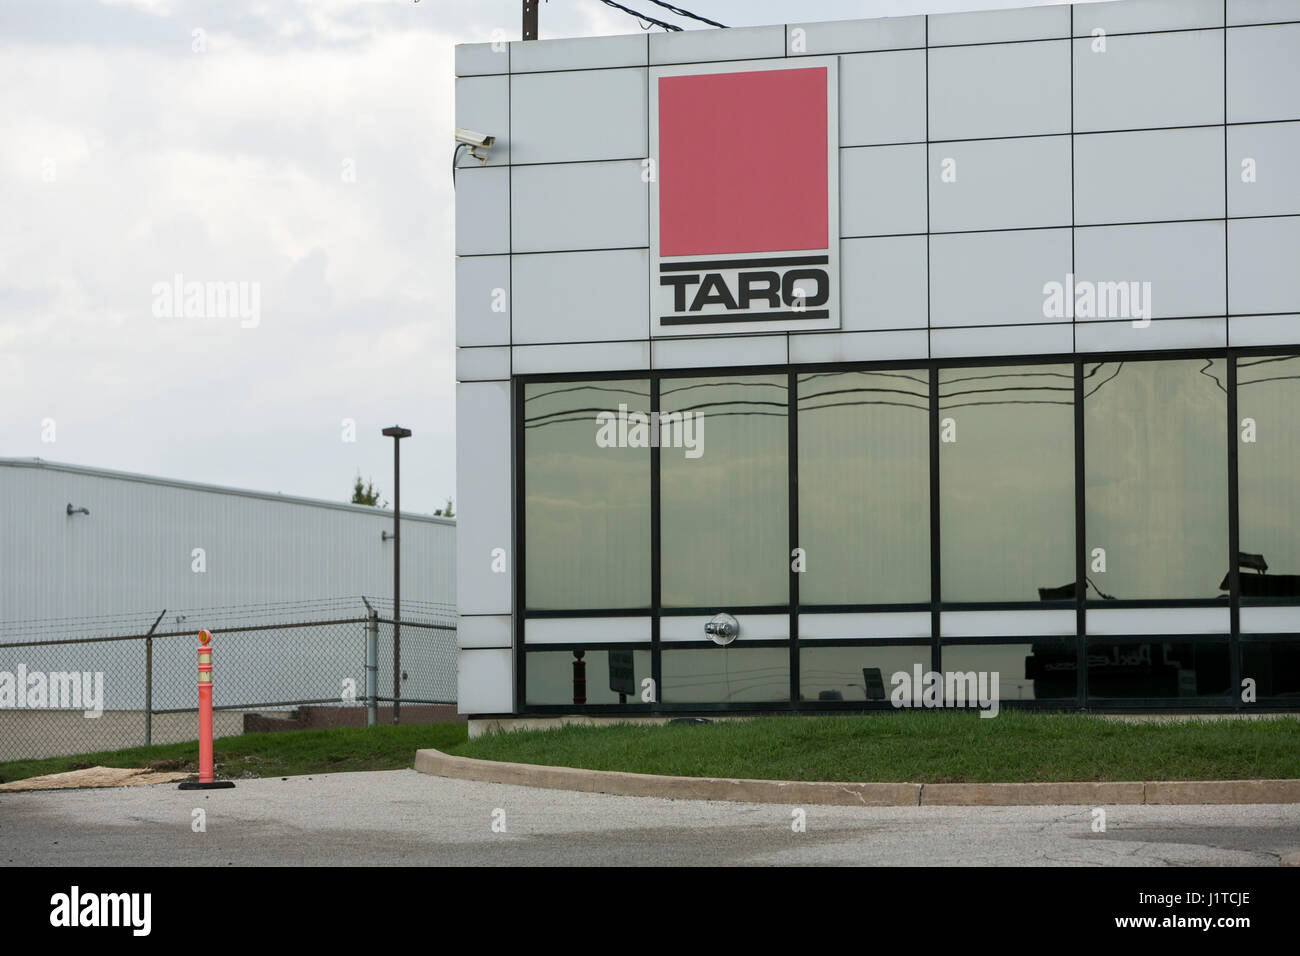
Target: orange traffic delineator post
column 205, row 781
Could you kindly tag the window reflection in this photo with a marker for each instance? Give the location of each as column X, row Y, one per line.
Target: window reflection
column 586, row 504
column 726, row 674
column 1268, row 476
column 1157, row 483
column 864, row 492
column 1006, row 480
column 724, row 503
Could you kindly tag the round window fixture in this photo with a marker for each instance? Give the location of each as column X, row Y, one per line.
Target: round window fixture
column 722, row 629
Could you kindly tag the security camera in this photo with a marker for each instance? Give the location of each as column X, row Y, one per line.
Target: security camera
column 475, row 142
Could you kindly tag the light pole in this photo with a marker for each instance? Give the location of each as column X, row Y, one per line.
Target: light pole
column 397, row 433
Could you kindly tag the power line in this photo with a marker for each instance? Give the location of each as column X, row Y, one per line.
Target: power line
column 641, row 16
column 686, row 13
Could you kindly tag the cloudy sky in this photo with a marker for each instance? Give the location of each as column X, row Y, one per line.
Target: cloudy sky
column 300, row 147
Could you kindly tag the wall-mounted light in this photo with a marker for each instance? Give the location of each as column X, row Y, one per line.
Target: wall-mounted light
column 77, row 511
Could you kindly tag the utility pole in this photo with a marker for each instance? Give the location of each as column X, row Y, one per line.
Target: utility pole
column 397, row 433
column 530, row 19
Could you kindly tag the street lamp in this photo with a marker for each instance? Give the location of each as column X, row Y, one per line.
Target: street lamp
column 397, row 433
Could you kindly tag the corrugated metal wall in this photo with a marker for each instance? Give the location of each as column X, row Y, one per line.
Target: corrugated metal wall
column 135, row 551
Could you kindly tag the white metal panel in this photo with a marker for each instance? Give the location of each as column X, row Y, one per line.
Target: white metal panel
column 882, row 190
column 1144, row 16
column 483, row 105
column 483, row 363
column 1273, row 149
column 1035, row 623
column 858, row 346
column 485, row 683
column 483, row 300
column 1183, row 261
column 1000, row 184
column 1149, row 80
column 1160, row 334
column 733, row 350
column 1246, row 330
column 1148, row 176
column 483, row 445
column 1262, row 259
column 851, row 36
column 581, row 296
column 995, row 278
column 484, row 630
column 571, row 206
column 1157, row 620
column 882, row 98
column 1262, row 11
column 994, row 340
column 814, row 627
column 1014, row 89
column 582, row 357
column 884, row 281
column 999, row 26
column 578, row 115
column 586, row 630
column 697, row 46
column 578, row 53
column 482, row 211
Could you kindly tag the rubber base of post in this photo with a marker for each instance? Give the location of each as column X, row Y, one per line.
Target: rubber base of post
column 215, row 785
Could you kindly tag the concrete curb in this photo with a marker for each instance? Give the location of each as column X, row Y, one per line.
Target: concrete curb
column 439, row 764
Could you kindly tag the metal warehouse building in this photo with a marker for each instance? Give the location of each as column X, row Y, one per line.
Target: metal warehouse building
column 151, row 543
column 794, row 358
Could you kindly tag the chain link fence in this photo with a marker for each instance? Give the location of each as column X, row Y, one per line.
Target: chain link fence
column 95, row 684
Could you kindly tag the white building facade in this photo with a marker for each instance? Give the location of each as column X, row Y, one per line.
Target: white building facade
column 953, row 343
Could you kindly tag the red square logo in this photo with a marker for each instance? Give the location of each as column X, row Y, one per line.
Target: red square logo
column 742, row 162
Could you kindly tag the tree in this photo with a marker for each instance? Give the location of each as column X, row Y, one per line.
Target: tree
column 446, row 512
column 366, row 493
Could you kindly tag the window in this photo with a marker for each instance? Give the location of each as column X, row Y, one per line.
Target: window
column 1006, row 483
column 1268, row 476
column 724, row 478
column 864, row 487
column 586, row 496
column 1157, row 478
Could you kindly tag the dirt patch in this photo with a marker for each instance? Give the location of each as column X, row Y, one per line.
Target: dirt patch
column 96, row 777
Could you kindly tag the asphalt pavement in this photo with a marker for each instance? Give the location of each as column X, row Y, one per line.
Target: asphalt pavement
column 403, row 817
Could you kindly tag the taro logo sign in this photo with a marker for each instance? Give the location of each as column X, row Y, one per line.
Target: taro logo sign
column 744, row 202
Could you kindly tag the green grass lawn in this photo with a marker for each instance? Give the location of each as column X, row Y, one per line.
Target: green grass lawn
column 919, row 747
column 280, row 754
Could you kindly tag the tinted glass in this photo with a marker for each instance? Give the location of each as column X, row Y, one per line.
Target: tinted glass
column 1157, row 484
column 551, row 677
column 857, row 673
column 864, row 492
column 1006, row 480
column 1268, row 475
column 724, row 482
column 1156, row 668
column 586, row 496
column 725, row 674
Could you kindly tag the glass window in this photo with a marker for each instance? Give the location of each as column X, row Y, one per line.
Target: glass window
column 1035, row 670
column 586, row 495
column 722, row 675
column 1006, row 482
column 1268, row 475
column 1156, row 668
column 601, row 677
column 1157, row 478
column 724, row 479
column 1274, row 666
column 857, row 673
column 864, row 487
